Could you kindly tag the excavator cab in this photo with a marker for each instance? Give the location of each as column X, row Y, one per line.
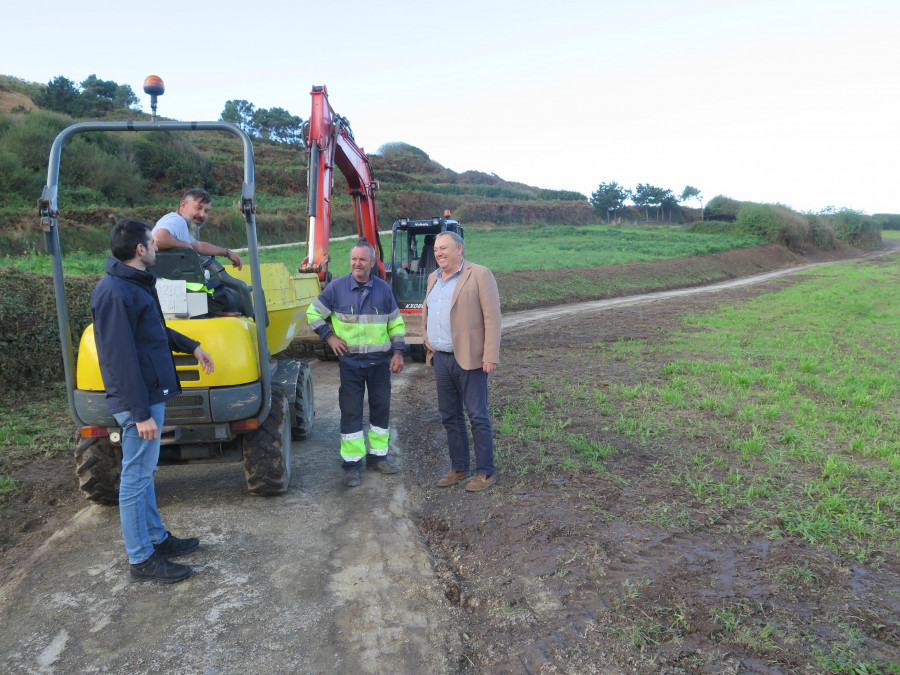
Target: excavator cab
column 412, row 257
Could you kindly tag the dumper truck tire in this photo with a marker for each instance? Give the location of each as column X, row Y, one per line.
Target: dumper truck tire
column 98, row 466
column 304, row 405
column 417, row 353
column 267, row 451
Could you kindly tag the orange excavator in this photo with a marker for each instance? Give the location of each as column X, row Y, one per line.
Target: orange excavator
column 330, row 142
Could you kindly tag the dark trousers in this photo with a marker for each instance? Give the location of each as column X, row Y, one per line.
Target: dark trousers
column 221, row 301
column 355, row 381
column 459, row 390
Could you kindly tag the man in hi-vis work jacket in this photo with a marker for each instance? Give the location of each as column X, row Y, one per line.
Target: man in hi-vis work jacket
column 367, row 333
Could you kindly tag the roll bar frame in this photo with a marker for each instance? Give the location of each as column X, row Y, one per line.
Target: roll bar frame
column 49, row 213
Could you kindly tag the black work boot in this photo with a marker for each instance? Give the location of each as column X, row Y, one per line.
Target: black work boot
column 159, row 568
column 352, row 475
column 172, row 546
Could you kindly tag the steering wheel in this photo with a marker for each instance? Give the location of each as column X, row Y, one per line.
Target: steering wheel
column 212, row 266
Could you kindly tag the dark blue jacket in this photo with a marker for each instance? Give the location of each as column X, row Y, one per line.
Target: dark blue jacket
column 134, row 345
column 366, row 317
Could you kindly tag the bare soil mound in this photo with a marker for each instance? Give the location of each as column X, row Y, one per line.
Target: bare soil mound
column 543, row 287
column 12, row 100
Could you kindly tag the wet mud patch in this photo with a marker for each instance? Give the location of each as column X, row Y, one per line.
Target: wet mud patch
column 46, row 496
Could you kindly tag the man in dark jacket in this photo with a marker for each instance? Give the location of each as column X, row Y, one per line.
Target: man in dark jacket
column 134, row 349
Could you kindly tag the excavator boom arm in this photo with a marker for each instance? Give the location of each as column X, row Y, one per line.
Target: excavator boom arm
column 331, row 144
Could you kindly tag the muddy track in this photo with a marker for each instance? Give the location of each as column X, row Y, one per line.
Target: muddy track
column 320, row 580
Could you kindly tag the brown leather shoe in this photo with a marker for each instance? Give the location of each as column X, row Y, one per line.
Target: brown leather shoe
column 480, row 483
column 453, row 477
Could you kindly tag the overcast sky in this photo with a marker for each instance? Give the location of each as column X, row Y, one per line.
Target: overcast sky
column 789, row 101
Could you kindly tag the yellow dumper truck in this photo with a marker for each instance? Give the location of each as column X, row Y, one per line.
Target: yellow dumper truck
column 252, row 406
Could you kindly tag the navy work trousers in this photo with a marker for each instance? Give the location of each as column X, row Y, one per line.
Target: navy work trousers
column 458, row 390
column 351, row 394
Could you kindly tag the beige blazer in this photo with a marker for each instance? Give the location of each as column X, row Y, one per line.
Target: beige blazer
column 474, row 316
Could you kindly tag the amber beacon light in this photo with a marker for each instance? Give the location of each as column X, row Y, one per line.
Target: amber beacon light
column 154, row 86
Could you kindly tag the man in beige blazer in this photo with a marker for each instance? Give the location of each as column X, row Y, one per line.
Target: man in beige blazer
column 461, row 321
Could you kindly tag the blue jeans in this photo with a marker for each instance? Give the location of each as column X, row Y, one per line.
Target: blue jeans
column 457, row 389
column 141, row 524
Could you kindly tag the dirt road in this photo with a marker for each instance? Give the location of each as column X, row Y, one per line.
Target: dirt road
column 322, row 580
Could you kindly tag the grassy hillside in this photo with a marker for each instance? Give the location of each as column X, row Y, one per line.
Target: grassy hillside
column 142, row 175
column 529, row 233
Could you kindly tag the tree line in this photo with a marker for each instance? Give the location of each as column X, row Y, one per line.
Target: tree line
column 608, row 198
column 270, row 124
column 98, row 98
column 93, row 98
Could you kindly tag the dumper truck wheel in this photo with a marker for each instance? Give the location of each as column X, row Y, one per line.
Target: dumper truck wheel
column 98, row 466
column 267, row 451
column 304, row 407
column 417, row 353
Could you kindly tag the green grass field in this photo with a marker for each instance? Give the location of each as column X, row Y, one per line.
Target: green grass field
column 800, row 390
column 500, row 249
column 773, row 419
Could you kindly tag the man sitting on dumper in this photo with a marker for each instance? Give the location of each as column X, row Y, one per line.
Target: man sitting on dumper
column 173, row 230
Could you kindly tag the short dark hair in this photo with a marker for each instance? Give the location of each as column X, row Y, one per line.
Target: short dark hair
column 198, row 194
column 125, row 236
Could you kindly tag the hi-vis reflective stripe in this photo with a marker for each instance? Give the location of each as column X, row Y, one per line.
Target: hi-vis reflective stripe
column 364, row 333
column 197, row 287
column 367, row 318
column 316, row 314
column 353, row 446
column 367, row 337
column 378, row 440
column 367, row 349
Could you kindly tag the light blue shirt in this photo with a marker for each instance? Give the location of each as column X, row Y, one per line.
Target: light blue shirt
column 439, row 299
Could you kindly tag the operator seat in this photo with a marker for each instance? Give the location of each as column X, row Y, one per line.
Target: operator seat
column 427, row 263
column 179, row 263
column 187, row 264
